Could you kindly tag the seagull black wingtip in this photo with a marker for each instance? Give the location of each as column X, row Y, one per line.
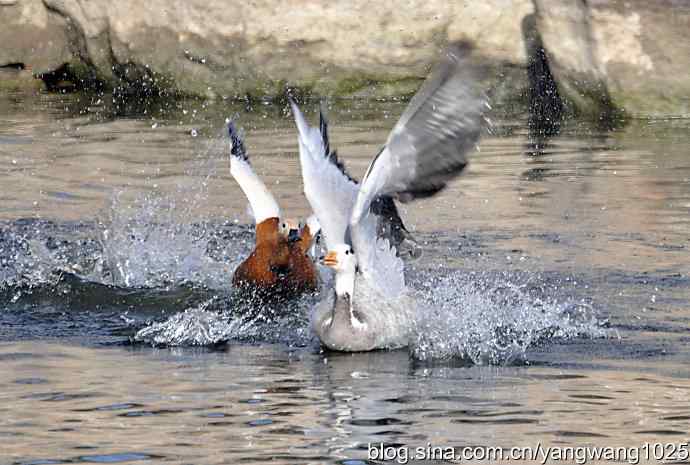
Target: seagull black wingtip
column 237, row 145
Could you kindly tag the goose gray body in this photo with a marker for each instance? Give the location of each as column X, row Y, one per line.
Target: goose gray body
column 367, row 322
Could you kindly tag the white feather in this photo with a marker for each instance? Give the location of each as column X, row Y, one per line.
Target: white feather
column 330, row 193
column 262, row 203
column 377, row 259
column 314, row 225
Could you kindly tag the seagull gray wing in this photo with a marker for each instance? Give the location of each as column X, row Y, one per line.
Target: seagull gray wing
column 443, row 121
column 390, row 225
column 428, row 145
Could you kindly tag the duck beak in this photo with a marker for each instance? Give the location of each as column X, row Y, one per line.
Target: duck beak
column 293, row 236
column 331, row 259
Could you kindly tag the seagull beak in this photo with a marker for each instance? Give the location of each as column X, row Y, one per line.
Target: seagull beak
column 293, row 236
column 331, row 259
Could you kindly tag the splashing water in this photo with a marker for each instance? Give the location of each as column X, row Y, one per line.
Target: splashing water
column 145, row 246
column 494, row 319
column 18, row 266
column 479, row 317
column 482, row 317
column 194, row 327
column 242, row 318
column 158, row 240
column 34, row 253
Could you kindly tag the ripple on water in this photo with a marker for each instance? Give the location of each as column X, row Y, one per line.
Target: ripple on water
column 111, row 407
column 260, row 422
column 58, row 396
column 98, row 458
column 119, row 457
column 31, row 381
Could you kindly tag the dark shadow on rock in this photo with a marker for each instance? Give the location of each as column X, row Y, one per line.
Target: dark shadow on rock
column 71, row 77
column 581, row 92
column 546, row 108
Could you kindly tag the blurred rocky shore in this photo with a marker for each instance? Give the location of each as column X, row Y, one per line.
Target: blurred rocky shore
column 589, row 57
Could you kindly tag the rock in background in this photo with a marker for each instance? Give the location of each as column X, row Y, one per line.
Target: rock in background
column 604, row 56
column 614, row 54
column 234, row 48
column 33, row 40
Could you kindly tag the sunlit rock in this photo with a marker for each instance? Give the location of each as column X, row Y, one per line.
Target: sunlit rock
column 609, row 55
column 215, row 48
column 604, row 55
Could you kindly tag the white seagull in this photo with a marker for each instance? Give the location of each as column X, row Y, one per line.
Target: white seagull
column 370, row 307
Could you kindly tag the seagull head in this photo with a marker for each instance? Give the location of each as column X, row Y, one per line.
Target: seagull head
column 341, row 258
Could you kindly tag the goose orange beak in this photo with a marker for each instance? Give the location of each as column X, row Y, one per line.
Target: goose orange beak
column 331, row 259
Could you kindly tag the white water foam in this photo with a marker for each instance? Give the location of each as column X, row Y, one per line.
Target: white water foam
column 194, row 327
column 495, row 319
column 483, row 318
column 249, row 320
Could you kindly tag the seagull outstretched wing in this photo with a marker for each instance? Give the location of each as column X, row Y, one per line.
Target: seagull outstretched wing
column 425, row 150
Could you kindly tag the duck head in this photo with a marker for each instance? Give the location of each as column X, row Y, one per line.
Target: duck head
column 289, row 229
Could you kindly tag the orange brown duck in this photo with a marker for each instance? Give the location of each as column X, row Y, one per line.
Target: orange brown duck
column 280, row 263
